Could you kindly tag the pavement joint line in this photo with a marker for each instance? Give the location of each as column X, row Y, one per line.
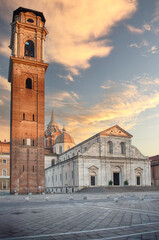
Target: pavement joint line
column 127, row 235
column 84, row 231
column 127, row 210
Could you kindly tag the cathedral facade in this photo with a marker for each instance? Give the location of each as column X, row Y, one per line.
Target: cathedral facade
column 107, row 158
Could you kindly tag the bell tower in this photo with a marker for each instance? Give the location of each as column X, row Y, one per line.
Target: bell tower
column 27, row 76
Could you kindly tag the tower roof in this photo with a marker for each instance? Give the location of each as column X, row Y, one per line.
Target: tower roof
column 21, row 9
column 52, row 127
column 53, row 118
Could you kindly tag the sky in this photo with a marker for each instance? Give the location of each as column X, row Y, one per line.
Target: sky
column 103, row 67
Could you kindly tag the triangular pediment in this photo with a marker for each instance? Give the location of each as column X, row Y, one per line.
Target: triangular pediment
column 116, row 131
column 93, row 168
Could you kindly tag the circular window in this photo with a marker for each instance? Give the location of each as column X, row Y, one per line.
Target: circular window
column 30, row 20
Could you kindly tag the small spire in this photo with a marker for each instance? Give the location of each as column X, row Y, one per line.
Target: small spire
column 52, row 117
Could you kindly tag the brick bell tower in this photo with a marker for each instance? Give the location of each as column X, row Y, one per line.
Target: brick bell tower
column 27, row 76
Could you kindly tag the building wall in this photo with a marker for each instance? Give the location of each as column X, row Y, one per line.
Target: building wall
column 4, row 147
column 128, row 170
column 93, row 159
column 49, row 159
column 155, row 175
column 4, row 171
column 62, row 177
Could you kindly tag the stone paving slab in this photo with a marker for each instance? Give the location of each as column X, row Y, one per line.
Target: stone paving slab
column 63, row 216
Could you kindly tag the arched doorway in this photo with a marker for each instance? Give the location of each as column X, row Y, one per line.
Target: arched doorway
column 93, row 179
column 116, row 176
column 93, row 172
column 138, row 173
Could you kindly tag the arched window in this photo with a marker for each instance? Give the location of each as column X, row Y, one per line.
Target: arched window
column 110, row 147
column 60, row 149
column 29, row 83
column 123, row 148
column 29, row 48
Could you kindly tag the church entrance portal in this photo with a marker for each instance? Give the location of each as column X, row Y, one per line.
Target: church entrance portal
column 92, row 180
column 116, row 178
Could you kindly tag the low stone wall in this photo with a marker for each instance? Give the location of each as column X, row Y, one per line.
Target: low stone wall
column 61, row 189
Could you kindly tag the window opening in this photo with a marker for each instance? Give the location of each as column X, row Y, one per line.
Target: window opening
column 123, row 149
column 110, row 144
column 4, row 172
column 29, row 48
column 4, row 185
column 29, row 83
column 138, row 180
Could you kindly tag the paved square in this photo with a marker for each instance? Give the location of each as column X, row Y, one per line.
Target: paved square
column 80, row 216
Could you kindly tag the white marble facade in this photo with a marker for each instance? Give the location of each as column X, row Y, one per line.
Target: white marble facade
column 107, row 156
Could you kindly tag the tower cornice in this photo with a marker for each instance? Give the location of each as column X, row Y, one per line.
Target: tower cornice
column 25, row 62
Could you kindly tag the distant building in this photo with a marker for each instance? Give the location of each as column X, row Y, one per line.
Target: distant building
column 107, row 157
column 155, row 170
column 4, row 165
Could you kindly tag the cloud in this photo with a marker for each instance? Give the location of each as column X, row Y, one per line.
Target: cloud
column 153, row 50
column 4, row 84
column 68, row 78
column 62, row 99
column 122, row 105
column 76, row 28
column 135, row 30
column 109, row 84
column 4, row 49
column 144, row 43
column 5, row 132
column 145, row 27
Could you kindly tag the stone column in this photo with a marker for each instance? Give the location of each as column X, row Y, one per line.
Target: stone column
column 42, row 49
column 15, row 43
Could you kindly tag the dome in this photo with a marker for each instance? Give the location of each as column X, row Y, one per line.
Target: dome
column 64, row 138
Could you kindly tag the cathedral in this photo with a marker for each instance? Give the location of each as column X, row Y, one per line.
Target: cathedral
column 105, row 159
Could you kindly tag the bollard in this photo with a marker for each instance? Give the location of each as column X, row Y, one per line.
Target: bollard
column 27, row 199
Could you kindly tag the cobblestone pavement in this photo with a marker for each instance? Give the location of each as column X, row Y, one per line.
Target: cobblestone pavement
column 80, row 216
